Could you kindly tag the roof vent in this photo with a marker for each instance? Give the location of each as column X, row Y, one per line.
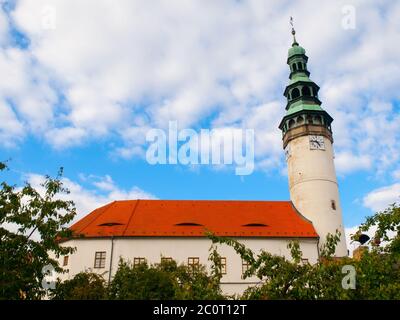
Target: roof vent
column 110, row 224
column 188, row 224
column 255, row 225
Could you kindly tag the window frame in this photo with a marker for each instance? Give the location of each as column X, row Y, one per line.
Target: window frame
column 65, row 261
column 100, row 259
column 333, row 205
column 223, row 266
column 137, row 261
column 245, row 267
column 195, row 263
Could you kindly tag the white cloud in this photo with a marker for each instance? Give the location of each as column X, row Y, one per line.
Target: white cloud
column 4, row 29
column 220, row 60
column 11, row 130
column 396, row 174
column 347, row 162
column 381, row 198
column 65, row 137
column 103, row 191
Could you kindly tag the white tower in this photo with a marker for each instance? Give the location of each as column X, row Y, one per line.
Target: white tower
column 307, row 140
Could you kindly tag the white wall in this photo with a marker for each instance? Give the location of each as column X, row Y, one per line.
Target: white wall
column 179, row 249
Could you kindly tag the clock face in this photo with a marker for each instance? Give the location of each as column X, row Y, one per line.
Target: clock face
column 317, row 143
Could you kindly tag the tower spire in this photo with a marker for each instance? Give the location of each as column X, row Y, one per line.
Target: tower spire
column 293, row 32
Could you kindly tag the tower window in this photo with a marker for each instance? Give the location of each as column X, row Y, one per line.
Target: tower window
column 333, row 204
column 299, row 65
column 291, row 123
column 294, row 67
column 306, row 91
column 295, row 93
column 317, row 120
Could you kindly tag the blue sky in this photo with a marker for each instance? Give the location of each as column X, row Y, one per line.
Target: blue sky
column 83, row 81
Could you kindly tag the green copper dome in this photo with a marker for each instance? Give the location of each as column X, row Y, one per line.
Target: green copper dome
column 296, row 49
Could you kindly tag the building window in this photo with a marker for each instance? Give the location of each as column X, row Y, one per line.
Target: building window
column 245, row 266
column 333, row 204
column 304, row 261
column 138, row 261
column 223, row 265
column 100, row 260
column 166, row 259
column 193, row 263
column 65, row 262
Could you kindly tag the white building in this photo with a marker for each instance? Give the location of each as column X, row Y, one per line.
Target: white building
column 139, row 230
column 150, row 229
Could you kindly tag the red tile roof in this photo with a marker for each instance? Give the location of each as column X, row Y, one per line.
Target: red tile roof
column 191, row 218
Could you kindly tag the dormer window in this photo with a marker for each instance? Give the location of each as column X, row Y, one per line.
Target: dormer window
column 110, row 224
column 189, row 224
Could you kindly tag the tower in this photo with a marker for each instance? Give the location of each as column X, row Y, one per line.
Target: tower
column 307, row 141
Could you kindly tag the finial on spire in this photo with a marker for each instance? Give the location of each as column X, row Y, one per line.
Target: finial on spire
column 293, row 32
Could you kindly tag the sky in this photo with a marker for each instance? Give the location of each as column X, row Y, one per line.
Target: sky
column 82, row 82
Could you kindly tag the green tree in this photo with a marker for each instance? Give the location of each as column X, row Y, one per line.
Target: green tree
column 377, row 272
column 83, row 286
column 30, row 226
column 165, row 280
column 142, row 282
column 386, row 222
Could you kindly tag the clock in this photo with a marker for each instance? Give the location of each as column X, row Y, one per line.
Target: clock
column 317, row 143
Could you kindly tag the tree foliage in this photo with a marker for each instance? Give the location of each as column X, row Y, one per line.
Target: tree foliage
column 30, row 224
column 377, row 272
column 84, row 286
column 165, row 280
column 387, row 224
